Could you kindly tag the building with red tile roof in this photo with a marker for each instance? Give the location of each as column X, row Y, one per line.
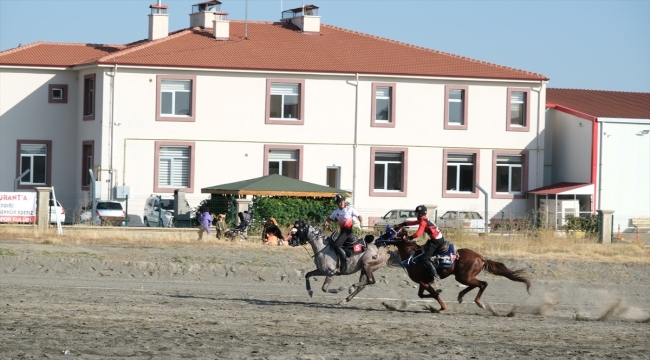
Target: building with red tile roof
column 601, row 138
column 392, row 123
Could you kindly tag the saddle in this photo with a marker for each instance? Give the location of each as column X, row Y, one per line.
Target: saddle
column 442, row 259
column 352, row 245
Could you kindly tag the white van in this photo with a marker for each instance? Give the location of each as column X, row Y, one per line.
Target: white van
column 152, row 214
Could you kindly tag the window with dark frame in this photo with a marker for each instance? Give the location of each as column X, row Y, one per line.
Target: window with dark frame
column 456, row 106
column 509, row 174
column 333, row 177
column 285, row 101
column 176, row 97
column 89, row 96
column 460, row 173
column 87, row 164
column 388, row 167
column 284, row 162
column 174, row 167
column 33, row 157
column 518, row 108
column 57, row 94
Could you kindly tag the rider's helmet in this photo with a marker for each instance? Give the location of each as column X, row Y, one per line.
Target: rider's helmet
column 421, row 209
column 339, row 197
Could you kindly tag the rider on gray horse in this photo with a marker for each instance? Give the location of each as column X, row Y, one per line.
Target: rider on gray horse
column 436, row 240
column 345, row 216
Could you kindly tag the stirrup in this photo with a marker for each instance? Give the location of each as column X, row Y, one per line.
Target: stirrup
column 408, row 262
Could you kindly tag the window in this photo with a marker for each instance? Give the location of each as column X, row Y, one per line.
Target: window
column 89, row 97
column 174, row 166
column 383, row 105
column 518, row 111
column 285, row 101
column 460, row 173
column 455, row 107
column 35, row 156
column 388, row 171
column 334, row 177
column 57, row 94
column 86, row 163
column 509, row 174
column 175, row 98
column 285, row 160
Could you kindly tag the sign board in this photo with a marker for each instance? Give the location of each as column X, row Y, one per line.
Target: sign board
column 18, row 207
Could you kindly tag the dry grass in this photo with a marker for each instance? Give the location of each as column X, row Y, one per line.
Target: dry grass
column 546, row 245
column 543, row 245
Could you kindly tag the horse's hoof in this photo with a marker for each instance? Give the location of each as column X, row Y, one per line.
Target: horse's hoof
column 311, row 293
column 460, row 301
column 481, row 305
column 343, row 302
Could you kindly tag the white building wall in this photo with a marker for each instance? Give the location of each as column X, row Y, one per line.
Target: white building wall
column 229, row 132
column 571, row 158
column 624, row 172
column 25, row 114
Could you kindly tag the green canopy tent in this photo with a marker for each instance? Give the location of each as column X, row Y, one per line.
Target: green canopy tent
column 270, row 185
column 274, row 185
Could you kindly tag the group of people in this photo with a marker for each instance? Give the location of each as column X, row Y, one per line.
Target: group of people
column 205, row 220
column 272, row 235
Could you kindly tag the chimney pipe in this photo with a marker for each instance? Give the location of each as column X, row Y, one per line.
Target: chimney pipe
column 158, row 21
column 221, row 26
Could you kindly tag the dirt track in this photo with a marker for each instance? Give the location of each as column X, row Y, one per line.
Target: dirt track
column 216, row 301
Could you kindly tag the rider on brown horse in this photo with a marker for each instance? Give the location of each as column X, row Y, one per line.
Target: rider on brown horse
column 435, row 243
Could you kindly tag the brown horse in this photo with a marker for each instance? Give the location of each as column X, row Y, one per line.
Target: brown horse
column 465, row 269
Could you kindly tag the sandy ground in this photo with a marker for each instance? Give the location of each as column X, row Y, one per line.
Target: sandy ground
column 216, row 301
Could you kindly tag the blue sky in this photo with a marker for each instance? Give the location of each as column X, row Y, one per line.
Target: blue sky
column 602, row 45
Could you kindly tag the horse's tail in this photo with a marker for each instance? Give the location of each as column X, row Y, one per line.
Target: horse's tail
column 500, row 269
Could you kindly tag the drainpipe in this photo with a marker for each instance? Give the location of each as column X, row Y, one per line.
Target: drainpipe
column 354, row 147
column 111, row 126
column 539, row 101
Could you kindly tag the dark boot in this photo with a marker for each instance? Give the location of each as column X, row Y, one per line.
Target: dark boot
column 343, row 259
column 432, row 269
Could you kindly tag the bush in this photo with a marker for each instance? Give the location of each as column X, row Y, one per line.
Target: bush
column 588, row 223
column 287, row 209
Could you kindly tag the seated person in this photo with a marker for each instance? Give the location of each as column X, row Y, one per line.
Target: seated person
column 294, row 234
column 244, row 221
column 272, row 234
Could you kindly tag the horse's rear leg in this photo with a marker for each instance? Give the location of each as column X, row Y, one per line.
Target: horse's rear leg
column 471, row 284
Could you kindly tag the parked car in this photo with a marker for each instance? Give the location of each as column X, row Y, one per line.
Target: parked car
column 56, row 209
column 106, row 213
column 466, row 220
column 394, row 217
column 152, row 212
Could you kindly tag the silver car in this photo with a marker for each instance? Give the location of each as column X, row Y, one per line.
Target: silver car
column 395, row 217
column 465, row 220
column 156, row 209
column 105, row 213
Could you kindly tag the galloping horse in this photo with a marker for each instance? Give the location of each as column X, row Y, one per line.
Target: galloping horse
column 465, row 268
column 325, row 259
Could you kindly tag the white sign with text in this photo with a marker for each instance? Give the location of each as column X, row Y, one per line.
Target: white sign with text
column 17, row 207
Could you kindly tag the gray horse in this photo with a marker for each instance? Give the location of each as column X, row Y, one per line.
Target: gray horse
column 326, row 260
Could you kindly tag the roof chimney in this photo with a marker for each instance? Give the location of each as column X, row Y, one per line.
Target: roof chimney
column 158, row 21
column 203, row 13
column 221, row 26
column 305, row 18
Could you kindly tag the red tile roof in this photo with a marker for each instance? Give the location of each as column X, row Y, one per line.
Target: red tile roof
column 279, row 46
column 56, row 54
column 558, row 188
column 598, row 103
